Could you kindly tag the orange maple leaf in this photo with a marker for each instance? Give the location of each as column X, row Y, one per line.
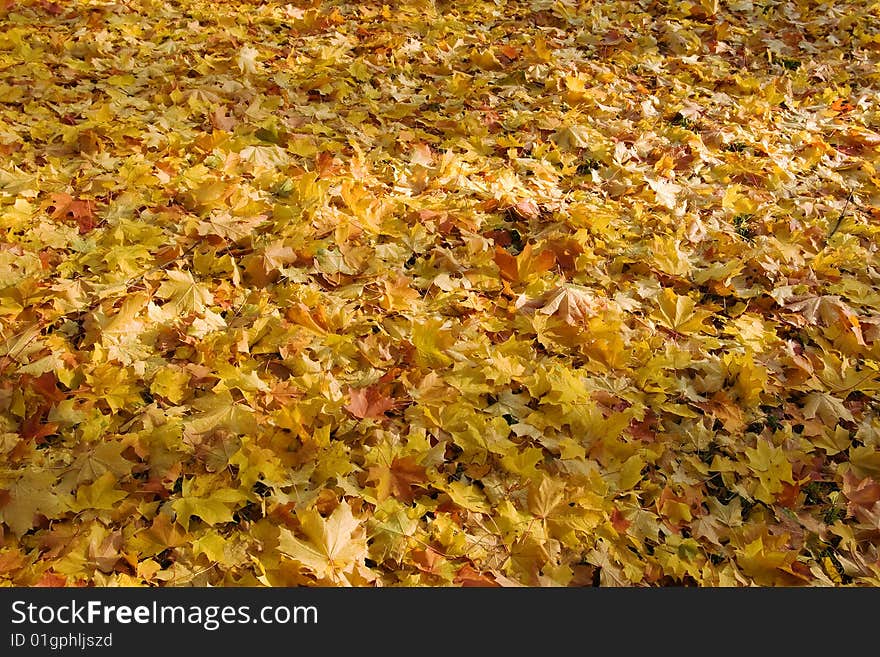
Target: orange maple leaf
column 67, row 208
column 525, row 209
column 51, row 579
column 427, row 560
column 11, row 560
column 619, row 521
column 522, row 267
column 467, row 575
column 842, row 105
column 397, row 480
column 511, row 52
column 368, row 402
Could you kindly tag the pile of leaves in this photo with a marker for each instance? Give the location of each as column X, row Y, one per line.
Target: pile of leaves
column 545, row 293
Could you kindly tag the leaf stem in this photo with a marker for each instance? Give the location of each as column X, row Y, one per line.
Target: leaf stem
column 840, row 218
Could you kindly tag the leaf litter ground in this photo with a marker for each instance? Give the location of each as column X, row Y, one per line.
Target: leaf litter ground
column 425, row 294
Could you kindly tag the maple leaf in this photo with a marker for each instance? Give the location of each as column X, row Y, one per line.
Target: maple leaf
column 863, row 498
column 431, row 339
column 104, row 550
column 573, row 304
column 220, row 411
column 11, row 560
column 722, row 407
column 217, row 449
column 161, row 534
column 368, row 403
column 827, row 407
column 826, row 310
column 468, row 576
column 100, row 494
column 545, row 498
column 679, row 313
column 171, row 383
column 574, row 136
column 67, row 208
column 772, row 468
column 27, row 496
column 522, row 267
column 665, row 192
column 333, row 548
column 183, row 293
column 432, row 562
column 214, row 506
column 525, row 209
column 51, row 580
column 389, row 531
column 228, row 227
column 247, row 60
column 93, row 462
column 398, row 479
column 35, row 428
column 766, row 558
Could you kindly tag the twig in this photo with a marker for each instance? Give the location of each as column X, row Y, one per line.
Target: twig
column 840, row 218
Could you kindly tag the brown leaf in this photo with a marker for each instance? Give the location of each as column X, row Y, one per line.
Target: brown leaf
column 860, row 492
column 106, row 554
column 36, row 428
column 45, row 386
column 220, row 121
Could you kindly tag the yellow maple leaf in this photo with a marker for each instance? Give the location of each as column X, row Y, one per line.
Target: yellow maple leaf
column 212, row 505
column 101, row 494
column 334, row 547
column 171, row 382
column 431, row 338
column 398, row 479
column 772, row 468
column 183, row 293
column 23, row 498
column 220, row 411
column 678, row 313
